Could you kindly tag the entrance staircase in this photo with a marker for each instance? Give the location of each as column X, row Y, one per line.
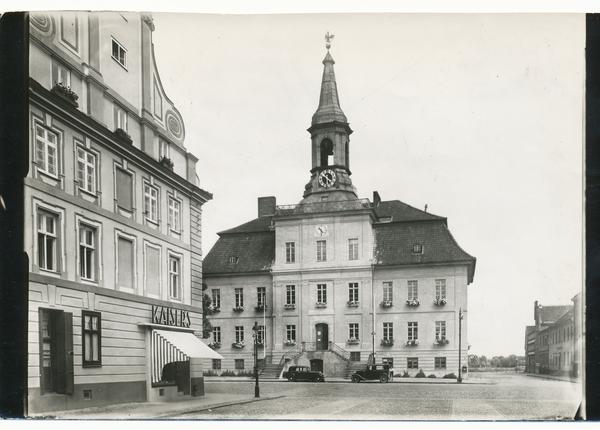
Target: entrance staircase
column 273, row 371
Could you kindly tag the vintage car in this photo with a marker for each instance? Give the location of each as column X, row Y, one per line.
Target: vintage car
column 303, row 373
column 374, row 372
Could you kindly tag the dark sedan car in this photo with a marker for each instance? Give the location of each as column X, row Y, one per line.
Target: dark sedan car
column 374, row 372
column 303, row 373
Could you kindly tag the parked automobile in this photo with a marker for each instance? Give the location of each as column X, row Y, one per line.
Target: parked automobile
column 303, row 373
column 374, row 372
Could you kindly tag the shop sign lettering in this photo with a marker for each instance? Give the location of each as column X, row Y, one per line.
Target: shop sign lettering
column 169, row 316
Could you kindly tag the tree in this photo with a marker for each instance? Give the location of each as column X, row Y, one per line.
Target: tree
column 483, row 361
column 206, row 311
column 473, row 360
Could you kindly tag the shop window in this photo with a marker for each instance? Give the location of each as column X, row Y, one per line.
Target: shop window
column 169, row 365
column 92, row 338
column 56, row 351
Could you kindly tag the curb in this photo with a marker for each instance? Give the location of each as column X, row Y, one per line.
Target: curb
column 211, row 407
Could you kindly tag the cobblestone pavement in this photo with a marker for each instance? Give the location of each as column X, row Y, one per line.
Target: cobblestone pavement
column 506, row 397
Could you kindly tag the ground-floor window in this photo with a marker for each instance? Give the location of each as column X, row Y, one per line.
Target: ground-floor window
column 167, row 362
column 412, row 363
column 239, row 364
column 389, row 360
column 355, row 356
column 216, row 364
column 440, row 362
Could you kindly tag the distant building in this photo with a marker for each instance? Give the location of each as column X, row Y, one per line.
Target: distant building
column 579, row 336
column 335, row 278
column 113, row 205
column 538, row 338
column 561, row 339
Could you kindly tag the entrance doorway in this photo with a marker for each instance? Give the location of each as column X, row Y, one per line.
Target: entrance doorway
column 322, row 332
column 316, row 365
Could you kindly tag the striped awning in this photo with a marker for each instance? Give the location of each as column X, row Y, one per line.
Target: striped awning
column 187, row 343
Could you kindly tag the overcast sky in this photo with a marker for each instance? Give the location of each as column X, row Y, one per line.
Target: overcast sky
column 477, row 116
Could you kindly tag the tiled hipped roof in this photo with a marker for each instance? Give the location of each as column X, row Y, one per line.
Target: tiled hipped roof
column 551, row 314
column 405, row 226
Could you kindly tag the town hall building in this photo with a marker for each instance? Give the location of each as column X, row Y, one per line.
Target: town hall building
column 336, row 279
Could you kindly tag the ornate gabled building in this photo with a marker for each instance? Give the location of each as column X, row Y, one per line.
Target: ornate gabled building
column 113, row 213
column 336, row 278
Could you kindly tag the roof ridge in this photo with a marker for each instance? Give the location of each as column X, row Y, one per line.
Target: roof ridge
column 229, row 230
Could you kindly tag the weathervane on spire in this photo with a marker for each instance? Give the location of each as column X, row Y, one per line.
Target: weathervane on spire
column 328, row 38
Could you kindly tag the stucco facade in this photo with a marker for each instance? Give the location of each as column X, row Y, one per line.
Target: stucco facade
column 346, row 279
column 113, row 219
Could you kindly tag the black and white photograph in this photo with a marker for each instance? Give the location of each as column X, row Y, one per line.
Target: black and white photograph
column 302, row 216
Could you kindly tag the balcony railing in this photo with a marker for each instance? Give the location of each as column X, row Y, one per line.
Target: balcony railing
column 323, row 207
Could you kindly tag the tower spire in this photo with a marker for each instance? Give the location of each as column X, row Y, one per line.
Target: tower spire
column 329, row 103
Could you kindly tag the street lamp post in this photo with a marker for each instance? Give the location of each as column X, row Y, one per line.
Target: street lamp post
column 255, row 336
column 460, row 317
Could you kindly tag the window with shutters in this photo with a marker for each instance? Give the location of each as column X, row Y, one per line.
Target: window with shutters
column 124, row 189
column 91, row 330
column 56, row 351
column 125, row 262
column 152, row 271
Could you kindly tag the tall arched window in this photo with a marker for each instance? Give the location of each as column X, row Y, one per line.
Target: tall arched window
column 326, row 152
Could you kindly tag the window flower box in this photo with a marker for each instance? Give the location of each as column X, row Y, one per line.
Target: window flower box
column 215, row 310
column 441, row 342
column 66, row 93
column 321, row 305
column 166, row 162
column 413, row 302
column 260, row 344
column 439, row 302
column 289, row 306
column 387, row 342
column 289, row 342
column 352, row 304
column 260, row 308
column 353, row 341
column 386, row 304
column 238, row 309
column 413, row 342
column 122, row 133
column 238, row 344
column 214, row 345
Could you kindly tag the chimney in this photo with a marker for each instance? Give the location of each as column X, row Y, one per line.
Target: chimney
column 266, row 206
column 536, row 315
column 376, row 199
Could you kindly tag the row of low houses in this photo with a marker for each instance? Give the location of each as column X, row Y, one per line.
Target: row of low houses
column 554, row 344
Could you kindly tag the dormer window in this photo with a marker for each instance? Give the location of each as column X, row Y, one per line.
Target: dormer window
column 233, row 261
column 417, row 249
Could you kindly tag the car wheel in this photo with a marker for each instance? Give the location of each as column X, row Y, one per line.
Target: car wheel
column 383, row 379
column 355, row 378
column 291, row 378
column 321, row 379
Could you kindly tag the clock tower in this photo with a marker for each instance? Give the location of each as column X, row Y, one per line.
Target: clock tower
column 330, row 140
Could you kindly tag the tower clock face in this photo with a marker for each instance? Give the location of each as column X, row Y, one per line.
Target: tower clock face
column 321, row 230
column 327, row 178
